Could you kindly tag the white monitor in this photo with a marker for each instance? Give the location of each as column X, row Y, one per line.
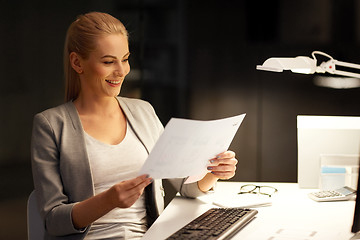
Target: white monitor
column 356, row 220
column 322, row 136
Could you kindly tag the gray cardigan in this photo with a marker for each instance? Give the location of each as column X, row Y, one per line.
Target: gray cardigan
column 61, row 169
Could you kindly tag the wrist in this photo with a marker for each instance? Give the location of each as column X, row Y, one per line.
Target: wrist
column 110, row 196
column 207, row 182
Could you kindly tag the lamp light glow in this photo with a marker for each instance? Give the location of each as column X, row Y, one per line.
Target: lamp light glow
column 337, row 82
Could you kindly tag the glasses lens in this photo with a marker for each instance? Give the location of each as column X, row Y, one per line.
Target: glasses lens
column 267, row 190
column 247, row 188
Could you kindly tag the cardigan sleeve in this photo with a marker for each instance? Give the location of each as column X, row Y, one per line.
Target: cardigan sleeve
column 190, row 190
column 54, row 205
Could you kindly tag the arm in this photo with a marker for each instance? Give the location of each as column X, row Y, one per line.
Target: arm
column 54, row 205
column 122, row 195
column 62, row 184
column 221, row 167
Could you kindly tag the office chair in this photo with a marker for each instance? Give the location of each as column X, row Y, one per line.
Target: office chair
column 35, row 225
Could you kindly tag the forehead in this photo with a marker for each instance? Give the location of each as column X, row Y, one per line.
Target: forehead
column 112, row 44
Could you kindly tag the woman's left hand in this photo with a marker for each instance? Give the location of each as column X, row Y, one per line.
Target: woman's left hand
column 223, row 166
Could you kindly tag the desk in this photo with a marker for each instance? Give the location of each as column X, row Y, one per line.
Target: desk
column 291, row 210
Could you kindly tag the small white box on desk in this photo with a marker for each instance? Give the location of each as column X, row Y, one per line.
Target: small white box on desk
column 337, row 171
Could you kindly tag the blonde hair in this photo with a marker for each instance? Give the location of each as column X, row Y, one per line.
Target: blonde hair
column 81, row 38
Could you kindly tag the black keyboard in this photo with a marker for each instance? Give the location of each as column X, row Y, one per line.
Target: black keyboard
column 216, row 223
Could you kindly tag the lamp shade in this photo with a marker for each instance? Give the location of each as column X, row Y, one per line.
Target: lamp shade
column 298, row 65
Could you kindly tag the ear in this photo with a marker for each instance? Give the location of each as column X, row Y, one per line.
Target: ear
column 75, row 62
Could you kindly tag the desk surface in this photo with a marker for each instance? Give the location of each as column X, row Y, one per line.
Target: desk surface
column 292, row 214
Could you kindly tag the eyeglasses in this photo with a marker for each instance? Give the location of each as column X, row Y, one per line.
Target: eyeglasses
column 254, row 189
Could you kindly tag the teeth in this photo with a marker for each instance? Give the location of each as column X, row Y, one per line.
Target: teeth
column 113, row 81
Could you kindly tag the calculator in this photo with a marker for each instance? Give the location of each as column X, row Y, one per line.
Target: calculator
column 341, row 194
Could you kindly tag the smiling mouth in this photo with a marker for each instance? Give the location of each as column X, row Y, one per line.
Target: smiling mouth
column 114, row 82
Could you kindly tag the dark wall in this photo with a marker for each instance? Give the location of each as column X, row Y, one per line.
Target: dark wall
column 191, row 59
column 31, row 67
column 227, row 41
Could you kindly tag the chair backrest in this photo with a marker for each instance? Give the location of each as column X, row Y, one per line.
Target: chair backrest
column 35, row 225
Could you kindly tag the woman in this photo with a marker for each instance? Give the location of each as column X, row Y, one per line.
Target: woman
column 86, row 153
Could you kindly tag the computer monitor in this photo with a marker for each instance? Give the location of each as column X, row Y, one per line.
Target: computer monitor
column 327, row 136
column 356, row 221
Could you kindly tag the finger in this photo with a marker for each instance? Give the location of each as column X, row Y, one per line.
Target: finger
column 135, row 193
column 129, row 200
column 138, row 190
column 222, row 168
column 224, row 175
column 216, row 162
column 226, row 154
column 137, row 182
column 127, row 196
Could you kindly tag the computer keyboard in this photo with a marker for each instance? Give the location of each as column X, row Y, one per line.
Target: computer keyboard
column 216, row 223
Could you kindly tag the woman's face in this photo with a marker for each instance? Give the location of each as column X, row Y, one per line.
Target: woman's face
column 105, row 69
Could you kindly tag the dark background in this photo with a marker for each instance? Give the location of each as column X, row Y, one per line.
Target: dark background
column 191, row 59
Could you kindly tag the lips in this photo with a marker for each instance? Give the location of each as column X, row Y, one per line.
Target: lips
column 113, row 82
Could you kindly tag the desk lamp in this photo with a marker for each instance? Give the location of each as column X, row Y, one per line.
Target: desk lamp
column 308, row 65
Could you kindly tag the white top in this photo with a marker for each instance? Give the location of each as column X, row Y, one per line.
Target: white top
column 111, row 164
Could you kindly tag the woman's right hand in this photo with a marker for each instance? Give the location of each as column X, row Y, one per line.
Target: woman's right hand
column 122, row 195
column 125, row 193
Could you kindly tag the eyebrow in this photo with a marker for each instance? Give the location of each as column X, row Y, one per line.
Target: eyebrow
column 111, row 56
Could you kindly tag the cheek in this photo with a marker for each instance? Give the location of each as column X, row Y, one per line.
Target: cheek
column 100, row 71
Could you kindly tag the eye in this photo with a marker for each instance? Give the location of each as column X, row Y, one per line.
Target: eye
column 108, row 62
column 125, row 60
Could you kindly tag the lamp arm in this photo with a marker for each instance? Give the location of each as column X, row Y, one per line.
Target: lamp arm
column 347, row 74
column 330, row 67
column 320, row 53
column 345, row 64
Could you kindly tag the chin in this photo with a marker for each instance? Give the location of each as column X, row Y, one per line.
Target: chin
column 113, row 93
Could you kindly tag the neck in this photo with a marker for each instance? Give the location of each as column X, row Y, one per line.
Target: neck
column 105, row 106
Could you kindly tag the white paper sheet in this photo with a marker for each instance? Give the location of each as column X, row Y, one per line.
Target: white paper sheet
column 186, row 146
column 242, row 200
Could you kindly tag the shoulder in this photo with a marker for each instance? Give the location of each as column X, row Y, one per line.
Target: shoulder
column 55, row 111
column 56, row 115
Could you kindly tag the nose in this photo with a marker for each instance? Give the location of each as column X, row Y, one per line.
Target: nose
column 118, row 73
column 122, row 70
